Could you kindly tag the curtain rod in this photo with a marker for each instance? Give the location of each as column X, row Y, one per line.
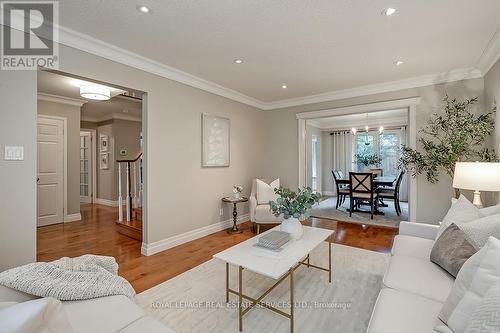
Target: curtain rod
column 370, row 129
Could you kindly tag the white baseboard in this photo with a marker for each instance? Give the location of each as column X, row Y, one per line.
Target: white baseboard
column 106, row 202
column 330, row 193
column 148, row 249
column 72, row 217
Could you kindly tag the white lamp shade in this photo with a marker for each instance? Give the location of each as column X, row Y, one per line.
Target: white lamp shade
column 95, row 92
column 477, row 176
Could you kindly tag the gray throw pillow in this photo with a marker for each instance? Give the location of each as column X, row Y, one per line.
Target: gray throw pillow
column 452, row 249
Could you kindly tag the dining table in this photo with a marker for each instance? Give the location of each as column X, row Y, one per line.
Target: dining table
column 378, row 181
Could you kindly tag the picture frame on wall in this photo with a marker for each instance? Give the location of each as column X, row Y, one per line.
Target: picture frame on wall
column 104, row 143
column 104, row 161
column 215, row 136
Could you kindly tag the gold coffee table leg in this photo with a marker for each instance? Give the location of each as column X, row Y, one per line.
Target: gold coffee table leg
column 227, row 282
column 291, row 300
column 240, row 297
column 329, row 260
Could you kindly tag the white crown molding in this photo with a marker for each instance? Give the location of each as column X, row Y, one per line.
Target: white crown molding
column 420, row 81
column 60, row 99
column 362, row 108
column 100, row 48
column 148, row 249
column 490, row 55
column 387, row 123
column 111, row 117
column 314, row 123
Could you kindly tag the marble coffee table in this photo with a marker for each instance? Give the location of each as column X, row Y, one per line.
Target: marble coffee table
column 277, row 266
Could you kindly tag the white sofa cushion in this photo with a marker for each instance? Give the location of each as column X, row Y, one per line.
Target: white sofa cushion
column 412, row 247
column 265, row 192
column 477, row 275
column 44, row 315
column 460, row 212
column 402, row 312
column 102, row 315
column 478, row 231
column 263, row 214
column 486, row 318
column 146, row 325
column 418, row 276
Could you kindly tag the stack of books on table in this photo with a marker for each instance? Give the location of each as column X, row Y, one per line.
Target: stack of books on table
column 273, row 240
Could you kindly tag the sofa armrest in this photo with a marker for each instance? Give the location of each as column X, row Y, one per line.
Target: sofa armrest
column 11, row 295
column 421, row 230
column 252, row 206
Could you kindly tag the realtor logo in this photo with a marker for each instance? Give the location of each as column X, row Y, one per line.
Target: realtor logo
column 29, row 36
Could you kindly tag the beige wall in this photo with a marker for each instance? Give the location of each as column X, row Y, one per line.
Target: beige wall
column 18, row 178
column 433, row 199
column 492, row 92
column 492, row 89
column 72, row 115
column 177, row 182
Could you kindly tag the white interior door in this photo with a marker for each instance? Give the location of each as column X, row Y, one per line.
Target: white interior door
column 86, row 167
column 50, row 166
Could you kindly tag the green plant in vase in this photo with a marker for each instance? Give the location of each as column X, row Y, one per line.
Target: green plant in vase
column 293, row 206
column 368, row 160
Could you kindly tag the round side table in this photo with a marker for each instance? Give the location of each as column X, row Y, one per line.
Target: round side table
column 234, row 201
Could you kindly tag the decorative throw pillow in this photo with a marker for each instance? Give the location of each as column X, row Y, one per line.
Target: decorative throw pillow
column 265, row 192
column 460, row 212
column 44, row 315
column 478, row 231
column 452, row 249
column 486, row 318
column 477, row 275
column 492, row 210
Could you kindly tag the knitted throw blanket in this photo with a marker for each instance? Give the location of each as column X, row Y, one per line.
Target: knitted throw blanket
column 69, row 279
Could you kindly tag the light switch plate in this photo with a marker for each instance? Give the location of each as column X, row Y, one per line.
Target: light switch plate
column 14, row 153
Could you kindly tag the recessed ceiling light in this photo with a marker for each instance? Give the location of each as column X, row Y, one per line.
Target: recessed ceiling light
column 388, row 11
column 143, row 9
column 238, row 61
column 399, row 63
column 284, row 86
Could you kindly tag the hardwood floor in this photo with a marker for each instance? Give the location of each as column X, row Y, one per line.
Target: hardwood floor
column 97, row 234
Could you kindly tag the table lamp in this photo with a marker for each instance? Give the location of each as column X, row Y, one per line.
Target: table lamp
column 477, row 176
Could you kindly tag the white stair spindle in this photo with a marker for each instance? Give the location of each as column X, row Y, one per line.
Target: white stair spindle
column 134, row 181
column 127, row 199
column 120, row 199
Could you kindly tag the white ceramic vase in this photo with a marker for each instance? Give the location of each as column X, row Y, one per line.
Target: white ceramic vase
column 293, row 227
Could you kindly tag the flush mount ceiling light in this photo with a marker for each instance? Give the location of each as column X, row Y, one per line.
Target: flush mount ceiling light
column 399, row 63
column 284, row 86
column 388, row 11
column 95, row 92
column 238, row 61
column 143, row 9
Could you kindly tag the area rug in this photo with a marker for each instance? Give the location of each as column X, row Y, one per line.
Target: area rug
column 195, row 300
column 326, row 209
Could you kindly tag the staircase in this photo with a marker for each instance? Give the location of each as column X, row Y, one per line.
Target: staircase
column 130, row 204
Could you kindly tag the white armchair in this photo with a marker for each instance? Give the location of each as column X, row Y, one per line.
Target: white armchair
column 260, row 214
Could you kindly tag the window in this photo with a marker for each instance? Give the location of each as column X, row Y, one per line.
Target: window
column 385, row 145
column 314, row 163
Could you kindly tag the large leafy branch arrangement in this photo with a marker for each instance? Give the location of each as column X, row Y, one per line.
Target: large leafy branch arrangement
column 294, row 204
column 456, row 135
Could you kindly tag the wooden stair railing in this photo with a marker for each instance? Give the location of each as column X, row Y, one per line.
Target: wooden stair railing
column 133, row 186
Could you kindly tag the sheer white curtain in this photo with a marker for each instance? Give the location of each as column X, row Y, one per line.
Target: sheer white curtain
column 403, row 191
column 342, row 158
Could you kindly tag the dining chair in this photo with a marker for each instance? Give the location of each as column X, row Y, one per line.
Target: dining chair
column 361, row 188
column 342, row 190
column 393, row 192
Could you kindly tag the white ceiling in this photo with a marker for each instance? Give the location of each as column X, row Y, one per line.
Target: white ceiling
column 314, row 47
column 389, row 118
column 116, row 108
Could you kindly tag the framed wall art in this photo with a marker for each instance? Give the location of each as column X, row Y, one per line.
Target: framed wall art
column 215, row 141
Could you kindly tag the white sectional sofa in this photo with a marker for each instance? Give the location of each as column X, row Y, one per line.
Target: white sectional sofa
column 99, row 315
column 415, row 289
